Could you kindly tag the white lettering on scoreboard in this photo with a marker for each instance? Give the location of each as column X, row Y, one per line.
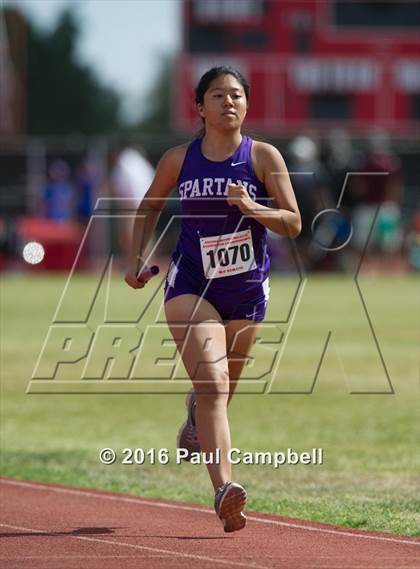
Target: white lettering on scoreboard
column 407, row 75
column 220, row 11
column 313, row 75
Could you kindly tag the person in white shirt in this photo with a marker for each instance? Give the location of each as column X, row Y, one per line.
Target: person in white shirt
column 130, row 178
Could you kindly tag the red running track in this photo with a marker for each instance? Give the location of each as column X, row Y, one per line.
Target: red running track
column 45, row 526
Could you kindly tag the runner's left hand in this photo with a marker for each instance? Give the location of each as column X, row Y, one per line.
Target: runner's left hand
column 237, row 195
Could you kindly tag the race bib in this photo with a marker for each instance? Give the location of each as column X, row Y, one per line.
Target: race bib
column 227, row 255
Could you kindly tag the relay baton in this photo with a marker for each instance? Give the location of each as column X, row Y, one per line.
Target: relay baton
column 147, row 273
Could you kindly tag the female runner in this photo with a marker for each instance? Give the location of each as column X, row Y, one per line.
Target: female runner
column 217, row 282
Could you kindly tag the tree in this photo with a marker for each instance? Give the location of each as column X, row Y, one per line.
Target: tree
column 64, row 96
column 158, row 118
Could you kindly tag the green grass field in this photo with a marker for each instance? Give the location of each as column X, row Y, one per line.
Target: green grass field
column 369, row 478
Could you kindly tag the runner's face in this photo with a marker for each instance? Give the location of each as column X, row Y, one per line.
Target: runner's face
column 225, row 103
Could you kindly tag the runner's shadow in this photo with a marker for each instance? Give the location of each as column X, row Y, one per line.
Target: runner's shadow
column 185, row 537
column 77, row 531
column 201, row 537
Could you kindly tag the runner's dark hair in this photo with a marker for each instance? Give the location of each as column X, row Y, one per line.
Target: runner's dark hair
column 210, row 76
column 213, row 74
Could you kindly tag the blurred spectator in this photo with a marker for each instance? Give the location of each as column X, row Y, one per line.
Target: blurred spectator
column 130, row 177
column 340, row 159
column 86, row 180
column 378, row 185
column 412, row 241
column 309, row 182
column 59, row 194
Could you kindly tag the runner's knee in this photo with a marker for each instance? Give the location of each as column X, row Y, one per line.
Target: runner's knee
column 213, row 389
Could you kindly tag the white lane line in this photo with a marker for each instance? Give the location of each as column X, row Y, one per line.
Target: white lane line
column 307, row 560
column 335, row 532
column 77, row 557
column 204, row 511
column 145, row 548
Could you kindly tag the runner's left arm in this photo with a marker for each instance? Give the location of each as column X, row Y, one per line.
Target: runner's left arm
column 284, row 217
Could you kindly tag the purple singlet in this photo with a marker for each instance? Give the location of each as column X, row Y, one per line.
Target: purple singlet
column 221, row 255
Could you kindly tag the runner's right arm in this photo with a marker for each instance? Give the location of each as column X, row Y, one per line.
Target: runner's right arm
column 150, row 208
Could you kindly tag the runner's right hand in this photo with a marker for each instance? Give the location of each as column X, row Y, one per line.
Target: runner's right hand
column 131, row 279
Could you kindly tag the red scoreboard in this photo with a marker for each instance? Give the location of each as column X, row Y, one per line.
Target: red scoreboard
column 315, row 64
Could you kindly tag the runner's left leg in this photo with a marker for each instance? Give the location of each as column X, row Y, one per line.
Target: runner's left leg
column 200, row 336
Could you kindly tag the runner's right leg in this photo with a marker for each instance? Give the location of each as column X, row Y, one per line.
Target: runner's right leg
column 240, row 338
column 199, row 333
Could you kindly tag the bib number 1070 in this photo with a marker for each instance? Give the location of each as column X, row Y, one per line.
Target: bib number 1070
column 229, row 256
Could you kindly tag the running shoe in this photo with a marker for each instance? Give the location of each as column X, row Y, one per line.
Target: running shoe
column 229, row 503
column 187, row 434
